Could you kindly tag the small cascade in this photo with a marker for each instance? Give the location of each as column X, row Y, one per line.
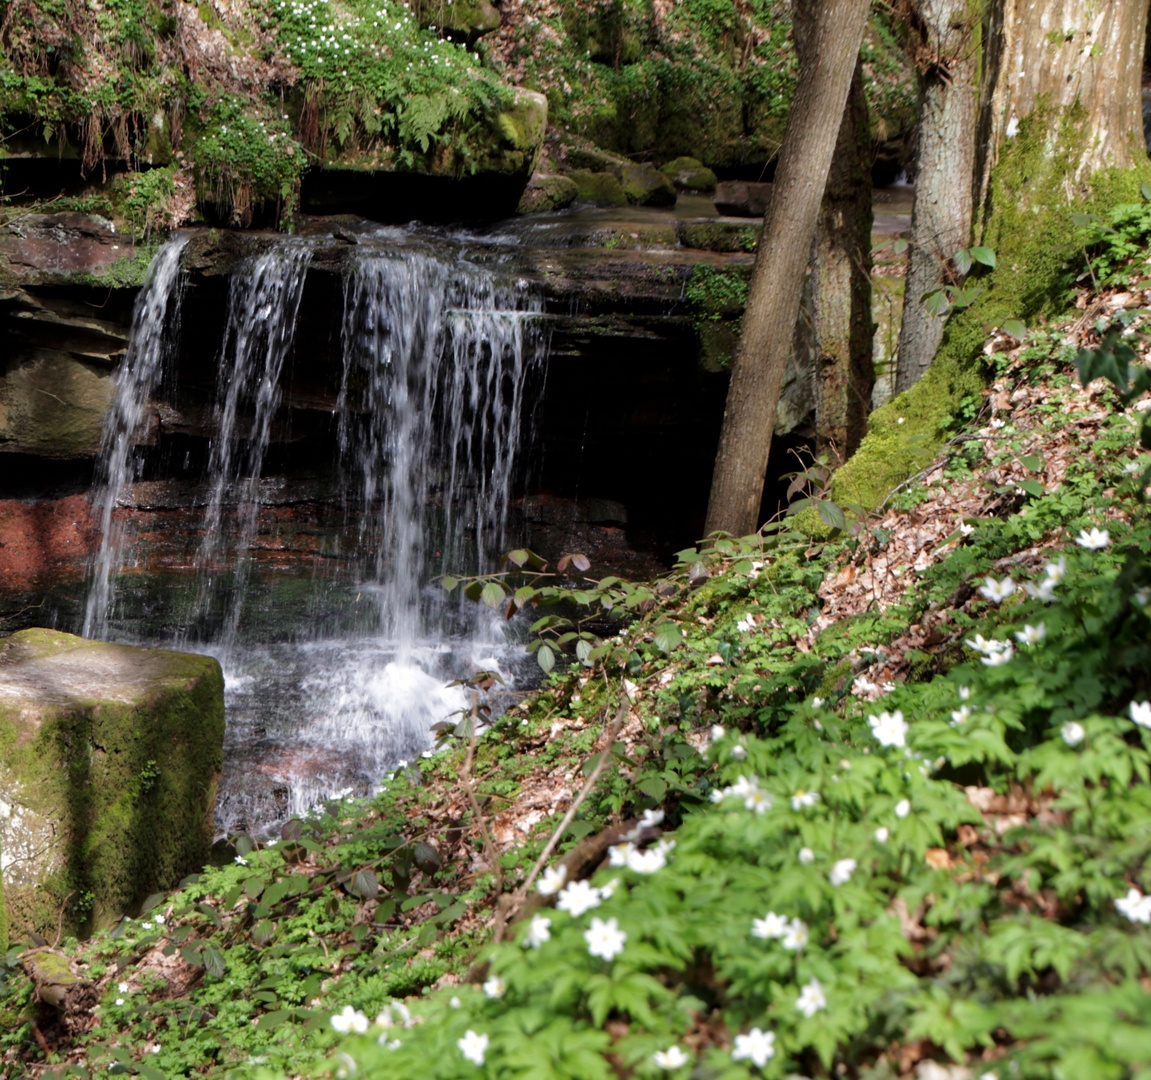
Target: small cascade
column 263, row 302
column 155, row 323
column 435, row 355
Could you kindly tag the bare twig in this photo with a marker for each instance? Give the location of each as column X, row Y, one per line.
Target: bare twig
column 490, row 852
column 600, row 765
column 510, row 902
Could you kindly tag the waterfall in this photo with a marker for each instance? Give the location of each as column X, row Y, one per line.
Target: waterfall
column 430, row 407
column 263, row 302
column 155, row 321
column 434, row 350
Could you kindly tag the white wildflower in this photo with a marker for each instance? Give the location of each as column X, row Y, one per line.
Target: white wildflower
column 745, row 624
column 804, row 798
column 1003, row 656
column 1044, row 591
column 966, row 529
column 889, row 728
column 1031, row 635
column 718, row 731
column 1135, row 906
column 757, row 1045
column 123, row 988
column 757, row 800
column 811, row 999
column 1141, row 713
column 350, row 1020
column 647, row 862
column 473, row 1046
column 552, row 880
column 619, row 854
column 806, row 856
column 739, row 752
column 841, row 872
column 903, row 808
column 1093, row 539
column 796, row 936
column 605, row 939
column 863, row 685
column 608, row 891
column 817, row 703
column 997, row 591
column 671, row 1058
column 960, row 715
column 241, row 860
column 964, row 693
column 539, row 931
column 770, row 927
column 578, row 897
column 495, row 987
column 882, row 834
column 1073, row 733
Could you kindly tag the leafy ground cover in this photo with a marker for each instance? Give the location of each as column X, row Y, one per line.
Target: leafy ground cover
column 796, row 809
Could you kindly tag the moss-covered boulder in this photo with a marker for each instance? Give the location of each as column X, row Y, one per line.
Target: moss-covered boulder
column 689, row 174
column 547, row 191
column 465, row 19
column 601, row 188
column 645, row 186
column 109, row 760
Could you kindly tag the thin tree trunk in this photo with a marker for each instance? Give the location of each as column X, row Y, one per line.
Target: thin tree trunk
column 841, row 285
column 781, row 262
column 947, row 48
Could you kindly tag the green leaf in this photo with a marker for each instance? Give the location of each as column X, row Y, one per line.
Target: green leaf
column 493, row 594
column 1032, row 487
column 213, row 961
column 668, row 636
column 935, row 302
column 1145, row 190
column 449, row 582
column 1033, row 462
column 831, row 514
column 984, row 255
column 1015, row 328
column 653, row 787
column 962, row 260
column 583, row 650
column 519, row 556
column 899, row 246
column 545, row 658
column 273, row 1019
column 364, row 884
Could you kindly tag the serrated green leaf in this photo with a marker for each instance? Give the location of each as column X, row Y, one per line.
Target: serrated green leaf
column 984, row 255
column 668, row 636
column 545, row 658
column 493, row 594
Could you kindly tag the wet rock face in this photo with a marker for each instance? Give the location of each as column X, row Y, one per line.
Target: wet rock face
column 742, row 198
column 109, row 760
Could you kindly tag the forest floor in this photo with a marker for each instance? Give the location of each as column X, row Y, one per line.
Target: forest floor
column 926, row 745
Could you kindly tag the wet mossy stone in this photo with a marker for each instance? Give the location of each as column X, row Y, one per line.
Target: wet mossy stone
column 598, row 187
column 645, row 186
column 688, row 174
column 713, row 235
column 468, row 19
column 547, row 191
column 110, row 758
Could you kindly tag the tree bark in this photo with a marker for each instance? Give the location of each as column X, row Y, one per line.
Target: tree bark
column 841, row 285
column 781, row 263
column 1056, row 54
column 946, row 44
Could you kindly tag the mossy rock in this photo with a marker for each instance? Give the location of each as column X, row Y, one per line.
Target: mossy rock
column 547, row 191
column 467, row 19
column 598, row 187
column 110, row 756
column 711, row 235
column 645, row 186
column 689, row 174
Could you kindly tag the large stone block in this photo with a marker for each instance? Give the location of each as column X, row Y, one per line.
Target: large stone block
column 110, row 756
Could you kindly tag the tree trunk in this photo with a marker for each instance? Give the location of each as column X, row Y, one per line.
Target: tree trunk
column 841, row 285
column 781, row 262
column 947, row 47
column 1060, row 54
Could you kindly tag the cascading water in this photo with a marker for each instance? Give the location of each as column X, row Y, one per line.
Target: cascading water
column 263, row 302
column 155, row 322
column 435, row 353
